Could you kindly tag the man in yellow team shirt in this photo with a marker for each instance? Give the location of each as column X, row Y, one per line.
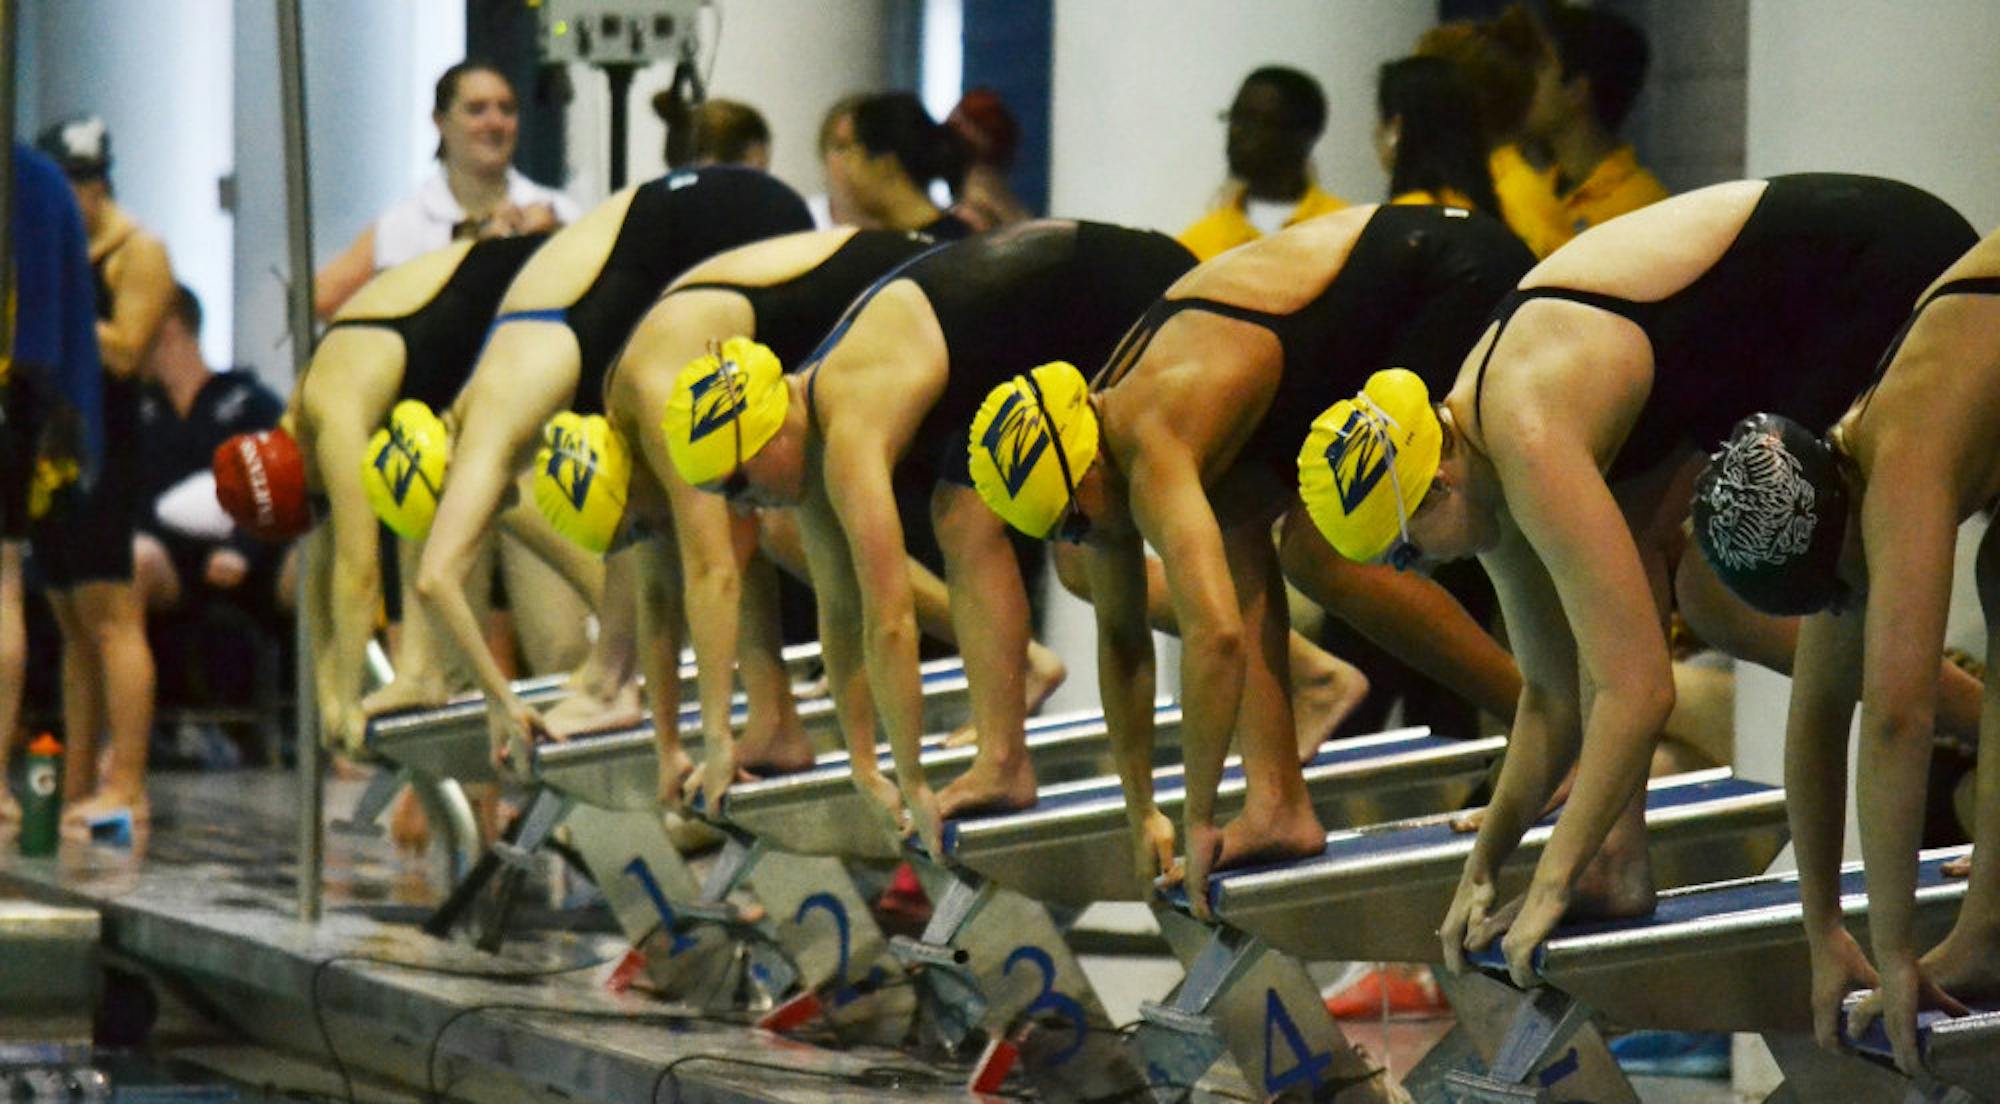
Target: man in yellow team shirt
column 1277, row 116
column 1582, row 95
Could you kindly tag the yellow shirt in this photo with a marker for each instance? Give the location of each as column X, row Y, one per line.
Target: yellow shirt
column 1615, row 186
column 1528, row 202
column 1450, row 197
column 1544, row 219
column 1226, row 227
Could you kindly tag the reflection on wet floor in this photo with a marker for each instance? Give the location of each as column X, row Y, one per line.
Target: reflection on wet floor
column 210, row 891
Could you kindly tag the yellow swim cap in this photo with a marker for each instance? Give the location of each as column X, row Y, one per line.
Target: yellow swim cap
column 1013, row 468
column 724, row 408
column 582, row 474
column 1369, row 461
column 403, row 472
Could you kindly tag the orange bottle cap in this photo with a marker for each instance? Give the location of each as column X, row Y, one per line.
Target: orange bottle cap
column 45, row 744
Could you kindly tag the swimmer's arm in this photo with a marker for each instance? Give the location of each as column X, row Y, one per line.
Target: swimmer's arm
column 839, row 607
column 1566, row 511
column 1910, row 538
column 659, row 643
column 344, row 275
column 1116, row 568
column 1826, row 673
column 145, row 289
column 857, row 466
column 1173, row 514
column 712, row 577
column 1547, row 719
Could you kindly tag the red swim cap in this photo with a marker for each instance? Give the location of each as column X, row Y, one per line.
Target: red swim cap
column 260, row 479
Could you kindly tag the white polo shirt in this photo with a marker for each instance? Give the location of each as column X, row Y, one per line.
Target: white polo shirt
column 424, row 221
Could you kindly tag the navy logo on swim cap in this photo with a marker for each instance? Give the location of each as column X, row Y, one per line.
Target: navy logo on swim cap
column 726, row 384
column 572, row 465
column 399, row 483
column 1015, row 439
column 1360, row 439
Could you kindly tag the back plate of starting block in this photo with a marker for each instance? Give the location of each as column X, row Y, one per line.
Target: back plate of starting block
column 819, row 812
column 1074, row 846
column 1727, row 957
column 1376, row 893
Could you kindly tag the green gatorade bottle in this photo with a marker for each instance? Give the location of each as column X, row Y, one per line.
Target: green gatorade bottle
column 41, row 814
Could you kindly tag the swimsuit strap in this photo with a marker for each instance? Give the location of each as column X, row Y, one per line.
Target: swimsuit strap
column 546, row 314
column 1135, row 341
column 711, row 285
column 1639, row 314
column 1969, row 285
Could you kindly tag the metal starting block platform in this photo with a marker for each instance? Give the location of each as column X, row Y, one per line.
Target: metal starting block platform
column 819, row 812
column 1961, row 1052
column 614, row 769
column 1074, row 846
column 450, row 741
column 994, row 960
column 1733, row 957
column 1377, row 893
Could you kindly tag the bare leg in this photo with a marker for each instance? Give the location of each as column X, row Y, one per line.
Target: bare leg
column 82, row 698
column 604, row 686
column 421, row 669
column 115, row 628
column 1325, row 688
column 1278, row 819
column 990, row 607
column 1724, row 621
column 13, row 665
column 1415, row 619
column 773, row 741
column 153, row 573
column 1966, row 963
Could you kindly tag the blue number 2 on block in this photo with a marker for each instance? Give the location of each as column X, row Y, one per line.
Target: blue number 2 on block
column 1307, row 1067
column 676, row 942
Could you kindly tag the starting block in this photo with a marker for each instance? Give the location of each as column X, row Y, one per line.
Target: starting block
column 818, row 811
column 1961, row 1052
column 1732, row 957
column 1074, row 847
column 1376, row 894
column 450, row 741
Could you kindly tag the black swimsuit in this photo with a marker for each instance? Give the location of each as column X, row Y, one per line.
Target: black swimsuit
column 1789, row 320
column 793, row 315
column 672, row 224
column 1014, row 299
column 1415, row 292
column 442, row 336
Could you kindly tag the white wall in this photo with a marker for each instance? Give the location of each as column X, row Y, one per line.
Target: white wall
column 1904, row 90
column 370, row 68
column 158, row 72
column 790, row 59
column 1139, row 83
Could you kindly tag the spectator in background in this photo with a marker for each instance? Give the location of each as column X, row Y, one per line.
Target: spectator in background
column 990, row 136
column 1580, row 102
column 1276, row 118
column 84, row 553
column 475, row 193
column 1499, row 60
column 881, row 152
column 186, row 545
column 1428, row 137
column 725, row 132
column 51, row 427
